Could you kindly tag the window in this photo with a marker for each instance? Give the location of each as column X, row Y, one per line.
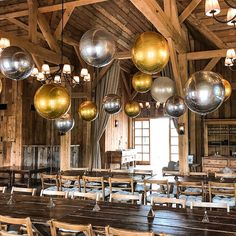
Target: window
column 174, row 142
column 142, row 140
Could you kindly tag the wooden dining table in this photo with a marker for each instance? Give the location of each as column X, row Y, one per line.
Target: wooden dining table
column 170, row 221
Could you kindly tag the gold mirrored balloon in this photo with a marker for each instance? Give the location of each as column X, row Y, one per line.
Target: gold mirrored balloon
column 88, row 111
column 142, row 82
column 228, row 88
column 0, row 85
column 52, row 101
column 150, row 52
column 132, row 109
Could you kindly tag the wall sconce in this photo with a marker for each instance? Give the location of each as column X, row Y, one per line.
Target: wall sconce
column 116, row 123
column 181, row 129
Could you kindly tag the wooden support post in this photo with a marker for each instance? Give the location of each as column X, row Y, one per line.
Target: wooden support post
column 183, row 139
column 65, row 151
column 16, row 150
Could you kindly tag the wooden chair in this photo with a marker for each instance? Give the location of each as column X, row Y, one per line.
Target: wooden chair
column 25, row 191
column 69, row 183
column 81, row 195
column 26, row 222
column 95, row 185
column 50, row 182
column 3, row 189
column 165, row 200
column 190, row 191
column 162, row 189
column 222, row 192
column 126, row 198
column 121, row 232
column 210, row 205
column 57, row 225
column 139, row 176
column 121, row 185
column 45, row 192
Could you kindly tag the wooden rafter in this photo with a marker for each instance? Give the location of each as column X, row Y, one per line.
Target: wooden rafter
column 200, row 55
column 188, row 10
column 154, row 13
column 203, row 29
column 35, row 49
column 46, row 9
column 212, row 63
column 66, row 17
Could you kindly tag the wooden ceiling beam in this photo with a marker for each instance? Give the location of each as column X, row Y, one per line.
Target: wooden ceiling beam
column 154, row 13
column 52, row 8
column 188, row 10
column 66, row 17
column 33, row 48
column 201, row 55
column 123, row 55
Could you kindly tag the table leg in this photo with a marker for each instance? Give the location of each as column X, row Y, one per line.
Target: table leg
column 29, row 180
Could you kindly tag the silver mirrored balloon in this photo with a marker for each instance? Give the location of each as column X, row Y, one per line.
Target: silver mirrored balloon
column 204, row 92
column 175, row 106
column 16, row 63
column 97, row 47
column 112, row 103
column 162, row 89
column 64, row 124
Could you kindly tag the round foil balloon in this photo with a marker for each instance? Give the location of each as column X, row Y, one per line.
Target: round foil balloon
column 142, row 82
column 175, row 106
column 0, row 85
column 150, row 52
column 162, row 89
column 88, row 111
column 97, row 47
column 132, row 109
column 228, row 88
column 16, row 63
column 112, row 103
column 64, row 124
column 52, row 101
column 204, row 92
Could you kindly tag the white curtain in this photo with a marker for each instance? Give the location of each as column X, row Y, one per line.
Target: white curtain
column 108, row 84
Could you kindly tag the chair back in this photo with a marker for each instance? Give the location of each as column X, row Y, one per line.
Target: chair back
column 166, row 200
column 210, row 205
column 225, row 175
column 121, row 232
column 121, row 184
column 94, row 183
column 91, row 196
column 143, row 172
column 101, row 170
column 3, row 189
column 221, row 189
column 190, row 188
column 69, row 182
column 133, row 198
column 57, row 225
column 25, row 191
column 200, row 174
column 161, row 186
column 49, row 181
column 17, row 221
column 45, row 192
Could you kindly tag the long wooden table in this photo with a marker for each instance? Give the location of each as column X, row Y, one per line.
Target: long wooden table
column 22, row 170
column 134, row 217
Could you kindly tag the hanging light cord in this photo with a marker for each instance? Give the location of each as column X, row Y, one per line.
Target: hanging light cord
column 62, row 31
